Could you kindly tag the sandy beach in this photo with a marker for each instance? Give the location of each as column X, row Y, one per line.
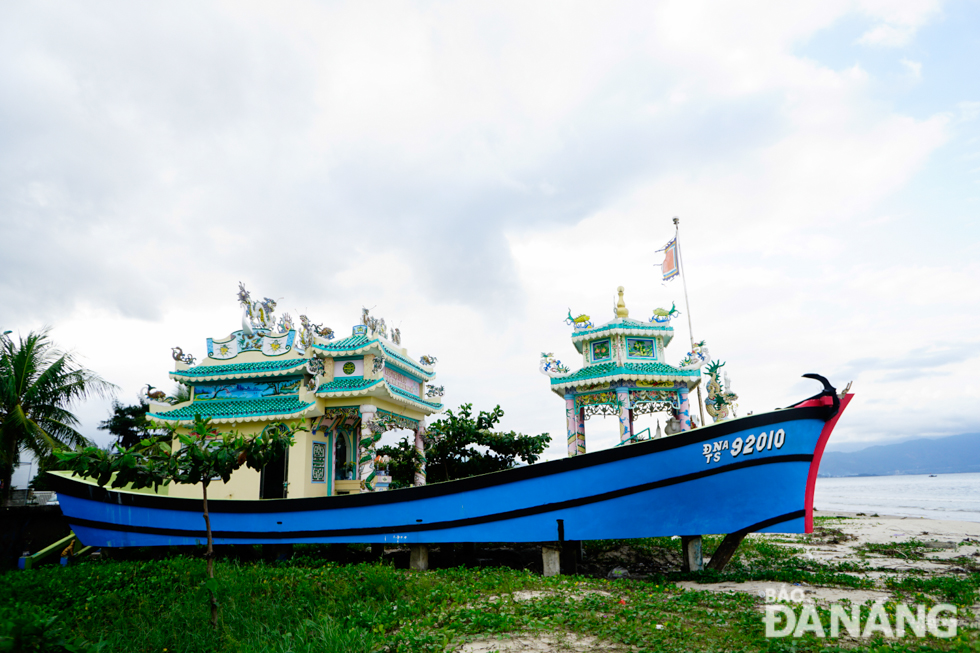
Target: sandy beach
column 878, row 547
column 951, row 548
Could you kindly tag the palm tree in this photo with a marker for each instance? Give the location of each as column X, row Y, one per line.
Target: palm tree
column 38, row 384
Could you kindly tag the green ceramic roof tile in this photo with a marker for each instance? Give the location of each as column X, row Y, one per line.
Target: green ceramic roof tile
column 415, row 367
column 408, row 395
column 353, row 342
column 659, row 368
column 229, row 408
column 611, row 369
column 233, row 369
column 624, row 324
column 358, row 342
column 338, row 385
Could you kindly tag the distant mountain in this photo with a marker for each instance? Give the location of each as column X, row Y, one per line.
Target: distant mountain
column 949, row 455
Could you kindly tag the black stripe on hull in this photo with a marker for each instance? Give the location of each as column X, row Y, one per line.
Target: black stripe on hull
column 450, row 524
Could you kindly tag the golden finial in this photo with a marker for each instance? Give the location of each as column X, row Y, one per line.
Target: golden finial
column 621, row 310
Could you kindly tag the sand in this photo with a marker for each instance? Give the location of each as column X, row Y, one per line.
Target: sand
column 839, row 541
column 835, row 541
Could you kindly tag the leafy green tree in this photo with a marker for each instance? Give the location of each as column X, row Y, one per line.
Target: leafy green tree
column 129, row 424
column 461, row 446
column 38, row 385
column 203, row 455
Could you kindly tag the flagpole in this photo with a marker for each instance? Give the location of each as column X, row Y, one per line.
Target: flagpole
column 687, row 304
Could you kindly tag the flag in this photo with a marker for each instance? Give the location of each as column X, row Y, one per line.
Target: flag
column 669, row 267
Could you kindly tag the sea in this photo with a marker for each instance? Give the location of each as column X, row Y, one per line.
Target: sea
column 944, row 496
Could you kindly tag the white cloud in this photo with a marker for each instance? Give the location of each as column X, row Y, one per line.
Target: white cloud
column 888, row 36
column 473, row 172
column 913, row 67
column 899, row 20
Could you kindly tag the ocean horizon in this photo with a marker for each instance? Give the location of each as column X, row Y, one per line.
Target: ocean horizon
column 953, row 497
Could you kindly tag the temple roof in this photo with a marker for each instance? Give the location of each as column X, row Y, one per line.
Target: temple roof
column 375, row 387
column 238, row 410
column 622, row 326
column 408, row 397
column 276, row 367
column 627, row 372
column 345, row 387
column 353, row 342
column 362, row 344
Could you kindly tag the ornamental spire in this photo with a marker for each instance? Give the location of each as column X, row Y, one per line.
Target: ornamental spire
column 621, row 310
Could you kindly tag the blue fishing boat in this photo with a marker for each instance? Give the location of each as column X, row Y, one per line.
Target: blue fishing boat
column 739, row 475
column 755, row 473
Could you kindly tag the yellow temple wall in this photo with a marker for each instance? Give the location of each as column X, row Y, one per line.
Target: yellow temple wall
column 243, row 484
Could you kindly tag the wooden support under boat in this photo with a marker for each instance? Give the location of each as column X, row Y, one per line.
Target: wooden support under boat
column 723, row 554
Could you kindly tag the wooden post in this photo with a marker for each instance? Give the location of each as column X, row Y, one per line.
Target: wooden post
column 691, row 551
column 551, row 557
column 419, row 558
column 725, row 551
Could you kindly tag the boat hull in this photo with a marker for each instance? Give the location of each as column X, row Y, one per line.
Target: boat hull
column 687, row 484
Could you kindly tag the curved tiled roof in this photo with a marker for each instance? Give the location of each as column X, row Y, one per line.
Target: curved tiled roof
column 240, row 370
column 357, row 344
column 630, row 371
column 404, row 395
column 347, row 386
column 353, row 342
column 407, row 364
column 375, row 387
column 623, row 326
column 237, row 410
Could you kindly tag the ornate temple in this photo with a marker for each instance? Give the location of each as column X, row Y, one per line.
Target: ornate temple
column 346, row 391
column 623, row 374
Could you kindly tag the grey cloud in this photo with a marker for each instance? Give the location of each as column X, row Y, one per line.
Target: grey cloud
column 914, row 364
column 145, row 150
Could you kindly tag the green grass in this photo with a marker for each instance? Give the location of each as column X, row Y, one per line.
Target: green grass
column 306, row 604
column 964, row 591
column 907, row 550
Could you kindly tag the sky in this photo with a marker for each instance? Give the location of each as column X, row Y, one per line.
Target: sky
column 473, row 171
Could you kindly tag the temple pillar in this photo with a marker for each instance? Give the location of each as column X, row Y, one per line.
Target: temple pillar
column 625, row 424
column 365, row 448
column 575, row 422
column 690, row 544
column 684, row 412
column 420, row 455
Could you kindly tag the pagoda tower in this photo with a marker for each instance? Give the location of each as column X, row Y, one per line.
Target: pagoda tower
column 623, row 374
